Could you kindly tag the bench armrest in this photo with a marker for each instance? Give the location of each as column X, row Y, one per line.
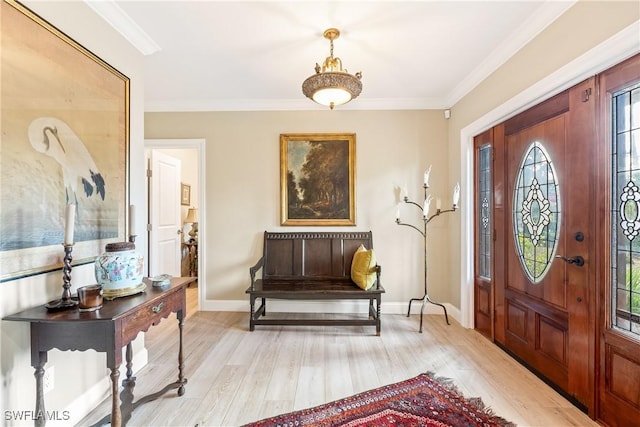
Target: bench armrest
column 253, row 270
column 378, row 273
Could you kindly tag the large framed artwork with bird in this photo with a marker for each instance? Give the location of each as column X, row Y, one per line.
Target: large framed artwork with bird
column 64, row 141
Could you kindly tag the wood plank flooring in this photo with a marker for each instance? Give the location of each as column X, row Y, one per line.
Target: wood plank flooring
column 236, row 376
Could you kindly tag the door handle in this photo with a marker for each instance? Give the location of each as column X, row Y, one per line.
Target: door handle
column 577, row 260
column 179, row 231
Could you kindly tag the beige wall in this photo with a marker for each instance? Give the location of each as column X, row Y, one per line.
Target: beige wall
column 242, row 177
column 243, row 190
column 80, row 378
column 582, row 27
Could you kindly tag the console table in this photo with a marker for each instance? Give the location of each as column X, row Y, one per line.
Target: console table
column 107, row 330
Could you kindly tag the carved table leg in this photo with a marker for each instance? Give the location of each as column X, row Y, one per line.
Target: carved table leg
column 40, row 419
column 116, row 415
column 128, row 383
column 129, row 356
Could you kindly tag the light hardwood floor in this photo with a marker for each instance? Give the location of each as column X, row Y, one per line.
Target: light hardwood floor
column 236, row 376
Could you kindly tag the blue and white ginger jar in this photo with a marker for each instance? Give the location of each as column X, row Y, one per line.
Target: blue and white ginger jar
column 119, row 267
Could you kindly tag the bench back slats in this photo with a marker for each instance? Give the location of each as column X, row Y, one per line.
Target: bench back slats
column 312, row 255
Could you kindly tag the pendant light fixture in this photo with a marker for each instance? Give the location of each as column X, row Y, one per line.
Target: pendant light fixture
column 331, row 85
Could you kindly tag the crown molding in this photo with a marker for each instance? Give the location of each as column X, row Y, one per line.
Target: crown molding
column 302, row 104
column 534, row 25
column 122, row 23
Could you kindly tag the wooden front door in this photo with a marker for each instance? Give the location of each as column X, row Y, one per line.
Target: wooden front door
column 546, row 236
column 558, row 272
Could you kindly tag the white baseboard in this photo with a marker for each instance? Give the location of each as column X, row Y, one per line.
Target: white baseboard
column 339, row 307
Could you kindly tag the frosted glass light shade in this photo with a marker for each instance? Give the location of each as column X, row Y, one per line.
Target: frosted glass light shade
column 332, row 88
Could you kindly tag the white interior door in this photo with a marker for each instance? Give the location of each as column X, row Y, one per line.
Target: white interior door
column 165, row 234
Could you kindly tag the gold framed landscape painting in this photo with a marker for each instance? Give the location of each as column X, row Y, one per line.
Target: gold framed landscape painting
column 317, row 179
column 65, row 140
column 185, row 194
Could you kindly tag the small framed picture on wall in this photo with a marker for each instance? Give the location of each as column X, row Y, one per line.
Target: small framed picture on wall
column 185, row 191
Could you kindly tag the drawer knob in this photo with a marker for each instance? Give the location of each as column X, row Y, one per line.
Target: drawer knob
column 157, row 308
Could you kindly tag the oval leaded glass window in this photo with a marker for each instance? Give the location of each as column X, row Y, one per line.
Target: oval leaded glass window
column 536, row 212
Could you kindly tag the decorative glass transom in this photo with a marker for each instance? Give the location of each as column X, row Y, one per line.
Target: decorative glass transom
column 625, row 211
column 536, row 212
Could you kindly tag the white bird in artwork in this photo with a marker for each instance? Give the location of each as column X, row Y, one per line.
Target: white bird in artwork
column 56, row 139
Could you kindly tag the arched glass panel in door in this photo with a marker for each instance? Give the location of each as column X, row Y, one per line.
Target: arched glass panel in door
column 536, row 212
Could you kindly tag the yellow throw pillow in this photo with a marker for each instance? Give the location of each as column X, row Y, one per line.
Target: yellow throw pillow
column 363, row 268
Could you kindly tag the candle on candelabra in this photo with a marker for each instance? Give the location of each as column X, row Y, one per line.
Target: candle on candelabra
column 70, row 217
column 438, row 204
column 456, row 195
column 426, row 206
column 398, row 212
column 426, row 176
column 132, row 220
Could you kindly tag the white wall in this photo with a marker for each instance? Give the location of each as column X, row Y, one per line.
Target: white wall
column 80, row 380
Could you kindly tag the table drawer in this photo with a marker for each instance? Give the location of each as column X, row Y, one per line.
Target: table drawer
column 149, row 314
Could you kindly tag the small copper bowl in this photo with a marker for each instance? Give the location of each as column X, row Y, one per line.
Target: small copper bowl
column 90, row 297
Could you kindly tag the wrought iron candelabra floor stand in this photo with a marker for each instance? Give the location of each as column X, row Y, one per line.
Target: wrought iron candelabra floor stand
column 426, row 219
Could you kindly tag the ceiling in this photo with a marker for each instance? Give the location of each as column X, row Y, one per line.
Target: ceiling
column 254, row 55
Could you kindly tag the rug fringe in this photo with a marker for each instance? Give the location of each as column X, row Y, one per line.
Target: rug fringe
column 476, row 402
column 407, row 400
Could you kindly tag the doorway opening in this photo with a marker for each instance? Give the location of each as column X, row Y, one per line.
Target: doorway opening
column 192, row 200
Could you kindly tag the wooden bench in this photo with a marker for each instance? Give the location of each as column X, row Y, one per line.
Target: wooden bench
column 311, row 266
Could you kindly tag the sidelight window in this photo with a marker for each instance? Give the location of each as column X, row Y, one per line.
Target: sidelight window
column 625, row 259
column 483, row 213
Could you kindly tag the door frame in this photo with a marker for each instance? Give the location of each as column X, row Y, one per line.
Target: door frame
column 612, row 51
column 199, row 145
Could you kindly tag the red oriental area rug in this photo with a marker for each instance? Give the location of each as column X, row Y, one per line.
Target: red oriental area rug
column 421, row 401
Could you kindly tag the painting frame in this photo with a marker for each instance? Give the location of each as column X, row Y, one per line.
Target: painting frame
column 185, row 194
column 323, row 164
column 52, row 81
